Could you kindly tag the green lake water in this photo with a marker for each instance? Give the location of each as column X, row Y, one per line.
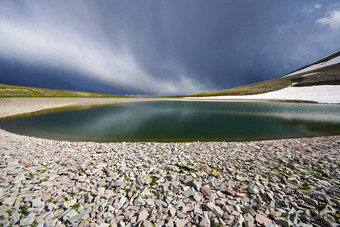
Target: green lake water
column 171, row 121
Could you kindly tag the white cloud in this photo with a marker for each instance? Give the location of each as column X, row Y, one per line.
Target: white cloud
column 42, row 39
column 317, row 6
column 332, row 20
column 284, row 27
column 311, row 9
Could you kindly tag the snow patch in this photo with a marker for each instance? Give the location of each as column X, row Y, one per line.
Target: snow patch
column 308, row 74
column 321, row 94
column 332, row 61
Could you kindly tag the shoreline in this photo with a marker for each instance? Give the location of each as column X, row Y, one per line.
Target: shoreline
column 18, row 106
column 288, row 182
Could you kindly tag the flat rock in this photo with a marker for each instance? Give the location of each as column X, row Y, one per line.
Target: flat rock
column 9, row 201
column 28, row 220
column 188, row 180
column 205, row 190
column 143, row 215
column 205, row 222
column 181, row 222
column 283, row 222
column 70, row 203
column 261, row 219
column 217, row 210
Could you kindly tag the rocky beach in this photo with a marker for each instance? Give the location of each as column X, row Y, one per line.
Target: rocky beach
column 290, row 182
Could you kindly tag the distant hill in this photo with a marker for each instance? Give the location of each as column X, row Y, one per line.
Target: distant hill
column 7, row 91
column 325, row 71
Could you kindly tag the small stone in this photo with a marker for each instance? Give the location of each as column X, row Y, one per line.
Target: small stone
column 205, row 222
column 283, row 222
column 282, row 203
column 220, row 194
column 9, row 201
column 70, row 214
column 216, row 173
column 39, row 220
column 28, row 220
column 181, row 222
column 205, row 190
column 328, row 220
column 147, row 223
column 121, row 203
column 14, row 219
column 197, row 197
column 172, row 211
column 188, row 192
column 188, row 180
column 272, row 224
column 253, row 190
column 198, row 209
column 239, row 221
column 310, row 201
column 248, row 220
column 51, row 223
column 3, row 209
column 240, row 190
column 187, row 208
column 261, row 219
column 70, row 203
column 37, row 202
column 146, row 192
column 216, row 209
column 197, row 185
column 138, row 202
column 292, row 186
column 151, row 202
column 148, row 180
column 104, row 225
column 274, row 179
column 143, row 215
column 80, row 216
column 180, row 214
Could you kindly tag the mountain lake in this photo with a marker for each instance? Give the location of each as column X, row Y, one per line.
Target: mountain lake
column 180, row 121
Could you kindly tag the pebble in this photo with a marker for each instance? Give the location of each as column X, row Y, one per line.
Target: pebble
column 216, row 209
column 268, row 183
column 205, row 222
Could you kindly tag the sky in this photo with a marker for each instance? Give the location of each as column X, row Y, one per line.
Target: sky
column 161, row 47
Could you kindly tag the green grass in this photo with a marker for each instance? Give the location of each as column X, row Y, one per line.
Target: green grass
column 251, row 89
column 75, row 206
column 8, row 91
column 154, row 180
column 305, row 186
column 134, row 192
column 23, row 208
column 215, row 224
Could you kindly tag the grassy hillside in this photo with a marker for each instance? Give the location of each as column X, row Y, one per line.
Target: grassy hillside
column 7, row 91
column 325, row 76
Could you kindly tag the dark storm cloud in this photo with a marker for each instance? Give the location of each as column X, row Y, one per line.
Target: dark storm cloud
column 162, row 47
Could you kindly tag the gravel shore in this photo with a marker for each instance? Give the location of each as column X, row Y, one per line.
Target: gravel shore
column 14, row 106
column 291, row 182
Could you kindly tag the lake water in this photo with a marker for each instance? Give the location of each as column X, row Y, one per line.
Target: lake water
column 182, row 121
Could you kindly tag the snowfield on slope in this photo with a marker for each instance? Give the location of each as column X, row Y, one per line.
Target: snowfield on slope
column 332, row 61
column 321, row 94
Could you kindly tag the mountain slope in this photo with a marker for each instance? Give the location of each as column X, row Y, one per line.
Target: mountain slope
column 7, row 91
column 325, row 71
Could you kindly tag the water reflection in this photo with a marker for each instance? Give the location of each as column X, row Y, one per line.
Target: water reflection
column 182, row 121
